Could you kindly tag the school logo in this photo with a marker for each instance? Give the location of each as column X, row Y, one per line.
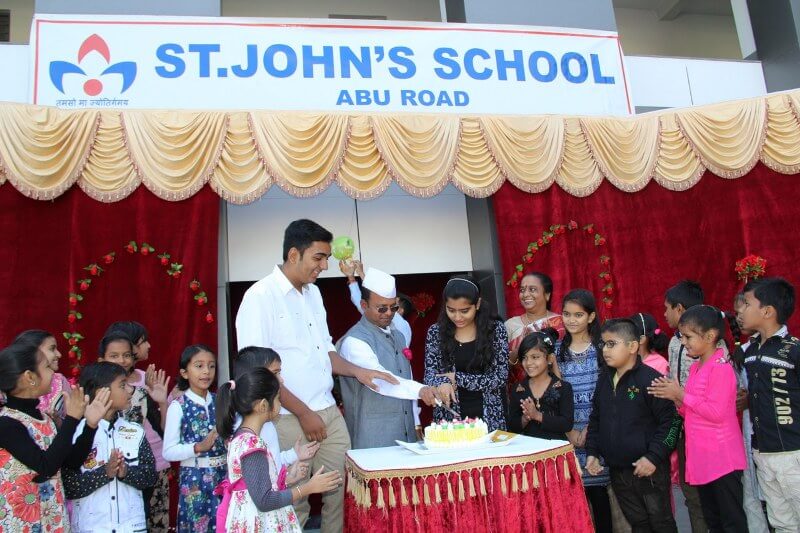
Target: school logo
column 93, row 84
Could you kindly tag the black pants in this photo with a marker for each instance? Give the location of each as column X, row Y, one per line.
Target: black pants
column 723, row 506
column 645, row 501
column 601, row 508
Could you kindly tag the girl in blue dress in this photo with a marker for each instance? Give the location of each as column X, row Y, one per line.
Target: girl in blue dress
column 580, row 363
column 190, row 437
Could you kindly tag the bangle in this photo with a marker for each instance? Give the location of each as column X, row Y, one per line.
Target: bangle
column 299, row 492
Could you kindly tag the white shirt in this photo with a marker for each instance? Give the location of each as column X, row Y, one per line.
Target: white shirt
column 398, row 321
column 274, row 314
column 116, row 506
column 270, row 437
column 173, row 449
column 361, row 354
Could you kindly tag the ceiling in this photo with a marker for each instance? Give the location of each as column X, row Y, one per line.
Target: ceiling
column 671, row 9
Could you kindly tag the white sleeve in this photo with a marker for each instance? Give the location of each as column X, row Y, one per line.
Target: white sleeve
column 360, row 354
column 251, row 324
column 403, row 327
column 289, row 457
column 173, row 449
column 355, row 295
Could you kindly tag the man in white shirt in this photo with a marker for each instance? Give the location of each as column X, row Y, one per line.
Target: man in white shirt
column 377, row 418
column 284, row 311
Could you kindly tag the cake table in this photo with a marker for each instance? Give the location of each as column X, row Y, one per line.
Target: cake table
column 528, row 485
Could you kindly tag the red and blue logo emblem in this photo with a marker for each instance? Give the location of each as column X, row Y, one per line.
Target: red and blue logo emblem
column 94, row 84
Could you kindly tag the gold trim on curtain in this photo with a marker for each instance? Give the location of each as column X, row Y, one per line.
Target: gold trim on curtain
column 109, row 153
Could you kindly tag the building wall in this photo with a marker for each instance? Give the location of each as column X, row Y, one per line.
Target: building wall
column 21, row 15
column 589, row 14
column 419, row 10
column 705, row 36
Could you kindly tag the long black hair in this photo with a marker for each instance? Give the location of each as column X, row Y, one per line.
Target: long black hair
column 186, row 358
column 33, row 337
column 135, row 331
column 15, row 359
column 586, row 301
column 647, row 327
column 463, row 286
column 236, row 397
column 544, row 340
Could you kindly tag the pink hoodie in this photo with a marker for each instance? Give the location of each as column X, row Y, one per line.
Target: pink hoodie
column 714, row 445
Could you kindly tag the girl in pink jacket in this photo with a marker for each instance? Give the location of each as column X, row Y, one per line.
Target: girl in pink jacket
column 715, row 456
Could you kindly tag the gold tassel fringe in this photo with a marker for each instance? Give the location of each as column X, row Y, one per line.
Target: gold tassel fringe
column 436, row 490
column 535, row 478
column 403, row 496
column 514, row 484
column 449, row 491
column 471, row 486
column 414, row 492
column 525, row 486
column 483, row 484
column 461, row 495
column 566, row 469
column 380, row 504
column 392, row 500
column 503, row 481
column 425, row 492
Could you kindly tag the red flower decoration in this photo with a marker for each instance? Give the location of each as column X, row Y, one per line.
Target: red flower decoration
column 750, row 267
column 408, row 354
column 572, row 225
column 209, row 318
column 109, row 258
column 422, row 302
column 540, row 242
column 194, row 285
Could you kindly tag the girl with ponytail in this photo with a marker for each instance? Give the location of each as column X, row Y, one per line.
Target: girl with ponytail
column 652, row 342
column 254, row 494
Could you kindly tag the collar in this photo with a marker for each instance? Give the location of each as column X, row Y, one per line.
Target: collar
column 612, row 371
column 386, row 331
column 784, row 331
column 29, row 406
column 197, row 399
column 283, row 282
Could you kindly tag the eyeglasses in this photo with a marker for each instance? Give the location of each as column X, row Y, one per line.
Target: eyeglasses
column 602, row 345
column 384, row 308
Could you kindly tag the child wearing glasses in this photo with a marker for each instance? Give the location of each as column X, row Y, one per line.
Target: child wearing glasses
column 633, row 431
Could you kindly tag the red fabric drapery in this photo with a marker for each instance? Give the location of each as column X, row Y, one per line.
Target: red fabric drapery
column 655, row 238
column 551, row 503
column 45, row 245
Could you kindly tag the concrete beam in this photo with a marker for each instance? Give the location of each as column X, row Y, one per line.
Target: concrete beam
column 669, row 9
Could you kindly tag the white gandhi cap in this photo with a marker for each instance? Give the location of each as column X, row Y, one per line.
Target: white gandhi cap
column 380, row 283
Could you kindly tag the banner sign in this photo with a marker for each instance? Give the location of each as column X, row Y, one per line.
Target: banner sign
column 315, row 65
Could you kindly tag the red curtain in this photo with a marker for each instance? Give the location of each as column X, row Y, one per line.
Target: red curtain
column 655, row 238
column 45, row 246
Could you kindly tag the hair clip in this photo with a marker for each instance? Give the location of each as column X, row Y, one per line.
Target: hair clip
column 657, row 331
column 232, row 384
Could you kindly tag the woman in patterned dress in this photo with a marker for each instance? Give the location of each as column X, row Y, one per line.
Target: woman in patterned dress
column 254, row 495
column 535, row 291
column 191, row 438
column 32, row 450
column 52, row 403
column 466, row 356
column 580, row 364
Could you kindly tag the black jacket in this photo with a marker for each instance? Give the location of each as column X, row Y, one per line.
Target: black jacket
column 629, row 423
column 556, row 404
column 773, row 377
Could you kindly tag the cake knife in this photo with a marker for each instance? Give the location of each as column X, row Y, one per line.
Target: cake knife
column 449, row 410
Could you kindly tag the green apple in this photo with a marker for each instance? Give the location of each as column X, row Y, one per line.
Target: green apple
column 342, row 248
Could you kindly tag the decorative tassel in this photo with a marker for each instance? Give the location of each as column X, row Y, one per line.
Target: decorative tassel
column 514, row 484
column 535, row 478
column 525, row 486
column 425, row 492
column 380, row 504
column 403, row 496
column 566, row 469
column 483, row 484
column 449, row 491
column 437, row 492
column 461, row 495
column 392, row 500
column 503, row 481
column 577, row 465
column 414, row 492
column 471, row 486
column 367, row 498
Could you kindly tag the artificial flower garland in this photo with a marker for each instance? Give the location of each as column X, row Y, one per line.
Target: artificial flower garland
column 750, row 267
column 548, row 236
column 95, row 270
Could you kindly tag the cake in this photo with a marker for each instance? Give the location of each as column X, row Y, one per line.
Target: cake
column 455, row 434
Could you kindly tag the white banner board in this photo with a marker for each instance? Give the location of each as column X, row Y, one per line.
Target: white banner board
column 225, row 63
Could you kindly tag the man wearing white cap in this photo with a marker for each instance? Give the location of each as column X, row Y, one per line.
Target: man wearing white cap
column 378, row 418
